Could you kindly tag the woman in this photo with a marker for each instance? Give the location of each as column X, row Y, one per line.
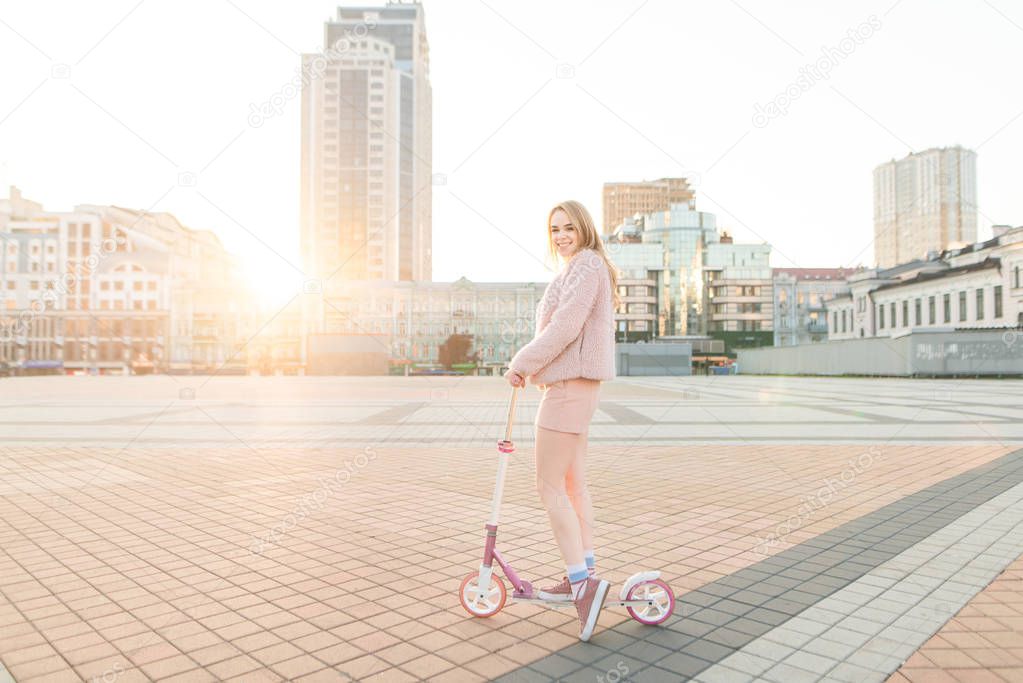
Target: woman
column 570, row 354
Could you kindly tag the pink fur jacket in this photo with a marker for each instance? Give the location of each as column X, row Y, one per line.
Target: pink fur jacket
column 575, row 335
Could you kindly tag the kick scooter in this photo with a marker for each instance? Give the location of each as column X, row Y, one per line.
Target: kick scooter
column 648, row 599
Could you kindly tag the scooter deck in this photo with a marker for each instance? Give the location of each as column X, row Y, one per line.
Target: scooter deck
column 568, row 603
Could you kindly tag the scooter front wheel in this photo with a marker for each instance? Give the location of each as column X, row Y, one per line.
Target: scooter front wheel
column 662, row 602
column 478, row 604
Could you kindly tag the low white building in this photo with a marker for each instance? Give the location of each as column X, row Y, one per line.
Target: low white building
column 973, row 287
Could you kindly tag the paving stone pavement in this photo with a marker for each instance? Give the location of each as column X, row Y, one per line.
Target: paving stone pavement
column 239, row 533
column 982, row 641
column 169, row 411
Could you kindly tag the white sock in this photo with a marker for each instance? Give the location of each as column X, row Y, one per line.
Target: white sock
column 576, row 572
column 577, row 577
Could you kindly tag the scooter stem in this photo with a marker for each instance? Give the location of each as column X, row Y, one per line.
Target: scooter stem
column 506, row 448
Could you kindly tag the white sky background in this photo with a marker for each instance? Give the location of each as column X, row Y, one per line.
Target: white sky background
column 671, row 90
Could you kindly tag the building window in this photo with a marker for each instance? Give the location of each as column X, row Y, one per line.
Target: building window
column 947, row 304
column 998, row 301
column 916, row 312
column 905, row 312
column 1016, row 281
column 980, row 303
column 843, row 320
column 880, row 316
column 834, row 320
column 930, row 310
column 962, row 306
column 891, row 313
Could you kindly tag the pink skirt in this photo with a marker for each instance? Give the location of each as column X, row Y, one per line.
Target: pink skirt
column 568, row 405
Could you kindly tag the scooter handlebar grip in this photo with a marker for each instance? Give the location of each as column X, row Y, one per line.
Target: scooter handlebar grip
column 511, row 415
column 506, row 446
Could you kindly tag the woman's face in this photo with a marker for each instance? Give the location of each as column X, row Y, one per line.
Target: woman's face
column 564, row 235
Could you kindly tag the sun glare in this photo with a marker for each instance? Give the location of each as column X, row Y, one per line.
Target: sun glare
column 272, row 280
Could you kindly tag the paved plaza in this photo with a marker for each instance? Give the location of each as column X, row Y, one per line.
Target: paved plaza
column 269, row 529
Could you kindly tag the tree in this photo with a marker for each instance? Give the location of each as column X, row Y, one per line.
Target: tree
column 455, row 350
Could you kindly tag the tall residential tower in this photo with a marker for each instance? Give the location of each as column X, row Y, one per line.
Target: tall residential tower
column 924, row 202
column 366, row 179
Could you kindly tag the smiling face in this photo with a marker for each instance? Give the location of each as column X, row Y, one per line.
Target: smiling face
column 564, row 235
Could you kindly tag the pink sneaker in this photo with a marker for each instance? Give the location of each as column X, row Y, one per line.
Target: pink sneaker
column 561, row 592
column 589, row 604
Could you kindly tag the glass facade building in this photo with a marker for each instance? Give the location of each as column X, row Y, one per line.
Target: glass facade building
column 685, row 234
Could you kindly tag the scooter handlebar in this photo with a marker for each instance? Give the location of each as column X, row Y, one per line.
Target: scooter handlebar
column 511, row 418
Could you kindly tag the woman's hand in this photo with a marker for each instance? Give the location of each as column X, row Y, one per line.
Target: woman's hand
column 514, row 379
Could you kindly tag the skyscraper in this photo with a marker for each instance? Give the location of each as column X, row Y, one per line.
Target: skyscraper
column 924, row 202
column 367, row 123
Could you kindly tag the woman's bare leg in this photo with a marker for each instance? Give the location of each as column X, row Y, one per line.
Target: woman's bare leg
column 579, row 493
column 555, row 452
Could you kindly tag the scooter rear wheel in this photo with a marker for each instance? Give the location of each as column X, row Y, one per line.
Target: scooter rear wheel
column 482, row 605
column 661, row 597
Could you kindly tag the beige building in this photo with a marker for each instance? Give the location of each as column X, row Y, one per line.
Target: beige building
column 624, row 200
column 109, row 289
column 925, row 202
column 415, row 318
column 366, row 169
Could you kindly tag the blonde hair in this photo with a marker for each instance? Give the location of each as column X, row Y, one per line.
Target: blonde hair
column 587, row 239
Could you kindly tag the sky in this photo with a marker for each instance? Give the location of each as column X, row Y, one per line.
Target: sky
column 145, row 105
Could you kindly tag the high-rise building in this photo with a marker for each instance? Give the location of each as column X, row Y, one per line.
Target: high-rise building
column 366, row 177
column 624, row 200
column 926, row 202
